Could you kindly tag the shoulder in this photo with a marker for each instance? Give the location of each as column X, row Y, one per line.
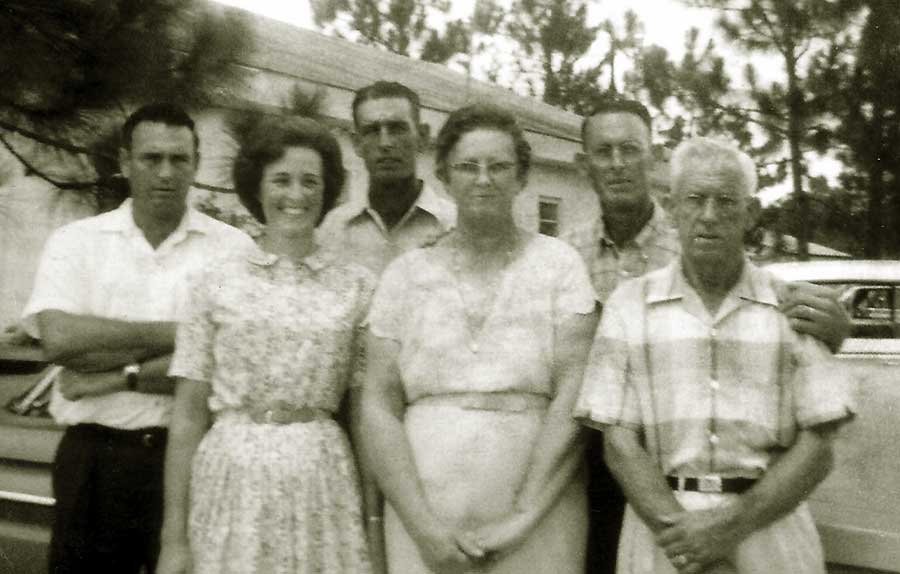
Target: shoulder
column 340, row 216
column 219, row 231
column 554, row 251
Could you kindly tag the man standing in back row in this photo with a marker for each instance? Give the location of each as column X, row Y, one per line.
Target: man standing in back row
column 398, row 212
column 108, row 292
column 631, row 237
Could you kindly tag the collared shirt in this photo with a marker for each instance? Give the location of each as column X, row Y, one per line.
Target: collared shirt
column 655, row 246
column 104, row 266
column 711, row 394
column 357, row 232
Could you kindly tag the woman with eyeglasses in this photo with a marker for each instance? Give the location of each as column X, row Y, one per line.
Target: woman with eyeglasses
column 475, row 354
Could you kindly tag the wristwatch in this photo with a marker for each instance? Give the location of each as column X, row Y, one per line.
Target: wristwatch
column 131, row 372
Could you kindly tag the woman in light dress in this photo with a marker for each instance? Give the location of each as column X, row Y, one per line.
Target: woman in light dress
column 259, row 476
column 475, row 355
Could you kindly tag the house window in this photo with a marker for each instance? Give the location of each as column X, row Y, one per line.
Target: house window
column 548, row 215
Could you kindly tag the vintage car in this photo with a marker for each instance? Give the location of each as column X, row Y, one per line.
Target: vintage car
column 28, row 440
column 857, row 508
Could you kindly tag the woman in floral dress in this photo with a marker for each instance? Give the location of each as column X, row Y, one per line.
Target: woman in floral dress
column 259, row 476
column 476, row 351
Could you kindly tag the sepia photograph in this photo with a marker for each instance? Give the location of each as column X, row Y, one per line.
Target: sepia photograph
column 450, row 286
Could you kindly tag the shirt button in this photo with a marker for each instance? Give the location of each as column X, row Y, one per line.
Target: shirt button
column 712, row 333
column 713, row 439
column 624, row 273
column 714, row 384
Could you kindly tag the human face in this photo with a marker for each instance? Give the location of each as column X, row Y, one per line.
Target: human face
column 291, row 191
column 711, row 209
column 482, row 174
column 617, row 159
column 160, row 167
column 387, row 139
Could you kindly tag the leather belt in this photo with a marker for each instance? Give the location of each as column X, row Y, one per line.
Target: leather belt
column 710, row 484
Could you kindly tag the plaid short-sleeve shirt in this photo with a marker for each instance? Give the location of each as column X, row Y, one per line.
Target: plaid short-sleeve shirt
column 711, row 394
column 655, row 246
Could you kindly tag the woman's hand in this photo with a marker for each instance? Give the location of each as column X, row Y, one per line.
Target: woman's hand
column 375, row 535
column 446, row 551
column 503, row 536
column 175, row 558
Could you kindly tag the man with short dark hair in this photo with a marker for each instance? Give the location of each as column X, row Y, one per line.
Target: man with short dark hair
column 717, row 415
column 399, row 212
column 107, row 294
column 632, row 236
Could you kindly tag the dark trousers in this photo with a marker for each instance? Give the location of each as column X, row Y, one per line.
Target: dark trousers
column 108, row 489
column 607, row 507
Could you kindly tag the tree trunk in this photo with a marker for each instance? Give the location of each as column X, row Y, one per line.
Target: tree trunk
column 795, row 127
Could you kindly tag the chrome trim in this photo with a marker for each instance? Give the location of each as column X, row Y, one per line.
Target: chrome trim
column 27, row 498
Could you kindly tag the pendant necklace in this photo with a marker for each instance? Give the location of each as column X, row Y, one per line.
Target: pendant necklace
column 476, row 314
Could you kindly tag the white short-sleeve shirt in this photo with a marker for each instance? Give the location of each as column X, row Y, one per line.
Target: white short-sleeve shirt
column 105, row 267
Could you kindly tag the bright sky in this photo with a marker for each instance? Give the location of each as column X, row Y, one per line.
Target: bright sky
column 665, row 24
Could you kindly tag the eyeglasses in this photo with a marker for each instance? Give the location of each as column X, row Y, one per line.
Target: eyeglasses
column 495, row 170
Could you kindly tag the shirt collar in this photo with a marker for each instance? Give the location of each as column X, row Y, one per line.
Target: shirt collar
column 754, row 285
column 428, row 201
column 121, row 220
column 319, row 259
column 657, row 225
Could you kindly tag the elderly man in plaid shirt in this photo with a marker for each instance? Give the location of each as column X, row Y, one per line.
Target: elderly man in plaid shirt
column 717, row 415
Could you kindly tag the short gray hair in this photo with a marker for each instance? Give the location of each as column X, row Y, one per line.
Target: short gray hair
column 707, row 153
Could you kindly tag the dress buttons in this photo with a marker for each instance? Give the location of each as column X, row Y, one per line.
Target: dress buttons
column 714, row 384
column 713, row 439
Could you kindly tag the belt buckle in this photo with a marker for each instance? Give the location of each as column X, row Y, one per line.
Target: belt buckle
column 710, row 484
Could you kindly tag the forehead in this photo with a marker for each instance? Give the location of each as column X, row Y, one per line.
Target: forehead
column 484, row 142
column 385, row 109
column 159, row 137
column 615, row 127
column 720, row 179
column 296, row 159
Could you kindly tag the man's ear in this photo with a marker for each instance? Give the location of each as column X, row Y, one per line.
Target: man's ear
column 581, row 162
column 754, row 210
column 424, row 131
column 124, row 156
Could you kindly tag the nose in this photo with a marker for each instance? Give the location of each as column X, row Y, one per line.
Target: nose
column 709, row 212
column 484, row 175
column 616, row 157
column 166, row 168
column 384, row 137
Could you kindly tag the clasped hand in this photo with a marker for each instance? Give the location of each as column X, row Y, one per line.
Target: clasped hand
column 694, row 541
column 452, row 551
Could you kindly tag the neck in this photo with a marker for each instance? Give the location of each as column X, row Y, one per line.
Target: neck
column 156, row 230
column 623, row 222
column 487, row 237
column 712, row 280
column 393, row 199
column 295, row 245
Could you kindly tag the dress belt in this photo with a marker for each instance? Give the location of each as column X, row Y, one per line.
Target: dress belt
column 277, row 413
column 492, row 401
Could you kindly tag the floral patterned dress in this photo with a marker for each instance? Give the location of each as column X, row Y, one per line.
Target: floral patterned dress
column 274, row 498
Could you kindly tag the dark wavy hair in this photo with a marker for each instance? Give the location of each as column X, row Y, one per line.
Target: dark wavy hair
column 617, row 106
column 267, row 141
column 158, row 113
column 481, row 116
column 383, row 89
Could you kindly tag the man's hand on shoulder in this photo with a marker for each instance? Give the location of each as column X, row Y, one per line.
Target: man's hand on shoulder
column 816, row 311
